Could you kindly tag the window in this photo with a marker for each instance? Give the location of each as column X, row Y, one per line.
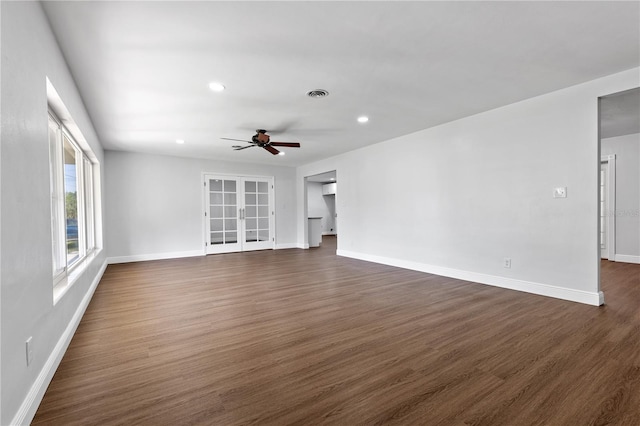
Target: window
column 72, row 200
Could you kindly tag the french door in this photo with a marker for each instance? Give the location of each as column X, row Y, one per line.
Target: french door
column 239, row 213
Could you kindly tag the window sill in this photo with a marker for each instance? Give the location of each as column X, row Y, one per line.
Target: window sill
column 62, row 286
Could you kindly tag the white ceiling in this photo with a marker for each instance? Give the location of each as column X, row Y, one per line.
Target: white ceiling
column 143, row 68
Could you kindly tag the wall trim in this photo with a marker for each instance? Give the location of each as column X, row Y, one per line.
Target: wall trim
column 285, row 246
column 589, row 298
column 627, row 258
column 32, row 400
column 154, row 256
column 610, row 204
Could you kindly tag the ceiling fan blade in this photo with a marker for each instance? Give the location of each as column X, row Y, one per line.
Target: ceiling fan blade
column 289, row 144
column 238, row 140
column 283, row 127
column 271, row 150
column 238, row 148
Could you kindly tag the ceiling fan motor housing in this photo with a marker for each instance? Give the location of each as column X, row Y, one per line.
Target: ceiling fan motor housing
column 261, row 137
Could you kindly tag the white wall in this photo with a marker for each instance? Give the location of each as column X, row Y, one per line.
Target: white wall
column 323, row 206
column 627, row 211
column 154, row 204
column 30, row 55
column 458, row 198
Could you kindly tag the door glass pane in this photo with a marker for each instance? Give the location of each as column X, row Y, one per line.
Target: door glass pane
column 230, row 211
column 263, row 235
column 215, row 185
column 215, row 198
column 250, row 199
column 249, row 186
column 230, row 237
column 251, row 236
column 263, row 199
column 216, row 224
column 229, row 198
column 251, row 211
column 229, row 186
column 216, row 238
column 251, row 224
column 263, row 187
column 216, row 211
column 263, row 223
column 230, row 224
column 263, row 211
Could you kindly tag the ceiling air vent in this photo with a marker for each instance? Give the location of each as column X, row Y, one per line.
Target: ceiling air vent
column 318, row 93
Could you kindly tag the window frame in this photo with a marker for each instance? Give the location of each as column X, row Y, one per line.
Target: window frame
column 62, row 264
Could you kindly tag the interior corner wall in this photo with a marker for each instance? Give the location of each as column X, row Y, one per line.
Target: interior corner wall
column 155, row 207
column 458, row 198
column 627, row 209
column 30, row 54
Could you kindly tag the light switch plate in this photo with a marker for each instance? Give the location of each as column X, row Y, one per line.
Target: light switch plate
column 560, row 192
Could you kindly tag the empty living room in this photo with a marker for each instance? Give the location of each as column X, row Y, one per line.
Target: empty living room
column 312, row 212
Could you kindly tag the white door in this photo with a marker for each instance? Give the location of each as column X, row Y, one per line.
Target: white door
column 239, row 214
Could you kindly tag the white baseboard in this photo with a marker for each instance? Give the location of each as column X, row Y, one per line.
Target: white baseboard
column 627, row 258
column 286, row 246
column 589, row 298
column 329, row 233
column 154, row 256
column 30, row 404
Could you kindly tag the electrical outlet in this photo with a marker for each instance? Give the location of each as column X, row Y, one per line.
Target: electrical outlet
column 29, row 349
column 507, row 262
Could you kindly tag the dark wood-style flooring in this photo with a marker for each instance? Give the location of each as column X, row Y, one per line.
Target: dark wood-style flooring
column 305, row 337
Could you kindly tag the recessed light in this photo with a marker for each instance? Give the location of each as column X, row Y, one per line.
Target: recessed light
column 333, row 179
column 216, row 87
column 281, row 153
column 363, row 119
column 180, row 141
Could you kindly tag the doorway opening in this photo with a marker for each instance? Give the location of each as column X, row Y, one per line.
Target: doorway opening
column 619, row 179
column 321, row 215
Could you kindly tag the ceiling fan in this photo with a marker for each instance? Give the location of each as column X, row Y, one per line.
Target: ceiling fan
column 262, row 140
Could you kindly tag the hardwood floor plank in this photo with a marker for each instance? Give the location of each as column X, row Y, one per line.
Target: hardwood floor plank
column 306, row 337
